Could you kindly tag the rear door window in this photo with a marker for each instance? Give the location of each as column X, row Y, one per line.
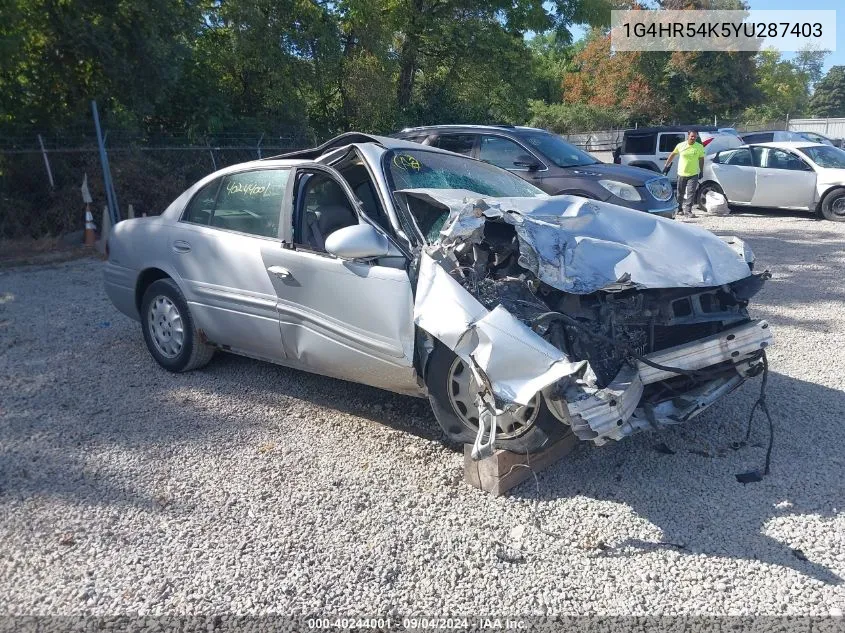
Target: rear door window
column 780, row 159
column 251, row 202
column 669, row 141
column 458, row 143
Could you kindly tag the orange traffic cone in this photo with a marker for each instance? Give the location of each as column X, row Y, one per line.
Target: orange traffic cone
column 90, row 236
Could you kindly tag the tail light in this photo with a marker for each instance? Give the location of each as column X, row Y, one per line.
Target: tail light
column 707, row 141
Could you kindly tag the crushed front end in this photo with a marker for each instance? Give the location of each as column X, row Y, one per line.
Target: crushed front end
column 631, row 340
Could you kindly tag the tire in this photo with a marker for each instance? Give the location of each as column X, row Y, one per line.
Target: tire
column 540, row 430
column 832, row 206
column 702, row 192
column 161, row 329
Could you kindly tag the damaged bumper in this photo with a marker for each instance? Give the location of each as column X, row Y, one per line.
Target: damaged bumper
column 620, row 409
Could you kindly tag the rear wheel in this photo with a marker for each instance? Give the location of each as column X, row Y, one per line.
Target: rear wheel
column 703, row 190
column 169, row 330
column 833, row 206
column 452, row 390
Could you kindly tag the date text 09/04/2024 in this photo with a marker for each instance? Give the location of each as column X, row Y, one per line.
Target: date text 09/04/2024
column 416, row 623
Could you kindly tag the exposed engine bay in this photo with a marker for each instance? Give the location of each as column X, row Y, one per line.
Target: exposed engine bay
column 622, row 322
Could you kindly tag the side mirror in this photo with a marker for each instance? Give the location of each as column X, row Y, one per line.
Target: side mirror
column 360, row 241
column 527, row 162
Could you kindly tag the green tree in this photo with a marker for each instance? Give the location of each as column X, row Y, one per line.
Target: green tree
column 62, row 54
column 784, row 87
column 810, row 61
column 551, row 58
column 829, row 97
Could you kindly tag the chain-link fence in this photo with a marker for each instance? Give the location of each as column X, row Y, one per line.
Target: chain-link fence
column 41, row 176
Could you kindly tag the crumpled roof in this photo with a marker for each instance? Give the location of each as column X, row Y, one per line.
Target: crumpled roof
column 581, row 246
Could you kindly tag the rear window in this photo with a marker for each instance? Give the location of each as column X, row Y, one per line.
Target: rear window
column 639, row 143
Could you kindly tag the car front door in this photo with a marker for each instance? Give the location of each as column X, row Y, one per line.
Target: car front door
column 736, row 174
column 510, row 155
column 347, row 319
column 218, row 247
column 783, row 179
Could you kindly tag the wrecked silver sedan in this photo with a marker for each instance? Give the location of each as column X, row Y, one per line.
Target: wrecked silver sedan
column 519, row 315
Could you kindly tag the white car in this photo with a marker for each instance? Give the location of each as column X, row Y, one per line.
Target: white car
column 786, row 175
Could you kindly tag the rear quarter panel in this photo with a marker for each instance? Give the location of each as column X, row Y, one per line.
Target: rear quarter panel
column 134, row 246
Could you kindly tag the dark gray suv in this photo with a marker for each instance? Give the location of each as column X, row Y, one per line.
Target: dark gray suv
column 550, row 163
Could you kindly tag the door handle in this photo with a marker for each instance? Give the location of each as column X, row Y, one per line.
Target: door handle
column 181, row 246
column 279, row 271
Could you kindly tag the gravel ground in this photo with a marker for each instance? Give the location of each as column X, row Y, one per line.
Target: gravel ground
column 250, row 488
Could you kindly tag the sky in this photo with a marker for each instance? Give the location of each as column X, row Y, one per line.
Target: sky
column 836, row 58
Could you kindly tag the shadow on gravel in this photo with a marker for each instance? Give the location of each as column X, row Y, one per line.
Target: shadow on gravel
column 764, row 212
column 55, row 440
column 682, row 479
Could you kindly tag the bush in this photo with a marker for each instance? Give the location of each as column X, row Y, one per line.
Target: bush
column 565, row 118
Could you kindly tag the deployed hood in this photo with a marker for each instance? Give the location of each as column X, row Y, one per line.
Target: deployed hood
column 581, row 246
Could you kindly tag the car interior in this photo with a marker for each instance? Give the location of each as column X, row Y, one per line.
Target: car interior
column 322, row 209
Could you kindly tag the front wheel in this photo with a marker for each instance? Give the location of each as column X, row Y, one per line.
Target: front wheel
column 169, row 330
column 833, row 206
column 452, row 390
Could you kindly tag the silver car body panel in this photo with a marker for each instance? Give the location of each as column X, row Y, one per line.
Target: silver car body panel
column 581, row 246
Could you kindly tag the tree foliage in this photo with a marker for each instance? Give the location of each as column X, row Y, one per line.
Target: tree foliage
column 784, row 86
column 195, row 67
column 829, row 98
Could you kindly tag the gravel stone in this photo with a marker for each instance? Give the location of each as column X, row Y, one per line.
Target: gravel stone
column 250, row 488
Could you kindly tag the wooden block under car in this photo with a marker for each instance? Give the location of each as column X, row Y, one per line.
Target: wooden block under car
column 503, row 470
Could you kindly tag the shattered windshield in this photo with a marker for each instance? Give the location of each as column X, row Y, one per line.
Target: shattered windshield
column 825, row 156
column 558, row 151
column 413, row 169
column 421, row 169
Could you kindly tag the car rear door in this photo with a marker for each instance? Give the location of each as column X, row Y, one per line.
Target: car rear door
column 348, row 319
column 736, row 174
column 666, row 142
column 783, row 179
column 217, row 250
